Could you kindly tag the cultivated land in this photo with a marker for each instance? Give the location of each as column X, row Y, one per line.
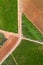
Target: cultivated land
column 9, row 23
column 9, row 61
column 27, row 53
column 29, row 30
column 34, row 11
column 9, row 15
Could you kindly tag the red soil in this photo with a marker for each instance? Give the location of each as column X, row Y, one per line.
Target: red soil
column 9, row 44
column 33, row 9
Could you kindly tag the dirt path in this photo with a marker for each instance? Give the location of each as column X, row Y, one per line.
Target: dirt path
column 24, row 38
column 33, row 9
column 8, row 34
column 20, row 9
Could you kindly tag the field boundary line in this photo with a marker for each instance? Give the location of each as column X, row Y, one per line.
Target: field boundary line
column 14, row 59
column 33, row 23
column 32, row 40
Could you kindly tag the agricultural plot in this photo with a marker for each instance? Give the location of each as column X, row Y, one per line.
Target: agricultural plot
column 29, row 30
column 9, row 15
column 27, row 53
column 23, row 51
column 9, row 61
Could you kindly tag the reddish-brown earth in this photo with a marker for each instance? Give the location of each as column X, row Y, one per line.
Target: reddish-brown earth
column 33, row 9
column 9, row 44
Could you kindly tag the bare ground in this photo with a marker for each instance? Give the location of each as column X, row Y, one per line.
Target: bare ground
column 33, row 9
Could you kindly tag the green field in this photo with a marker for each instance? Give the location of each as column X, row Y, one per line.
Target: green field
column 27, row 53
column 9, row 15
column 9, row 61
column 29, row 30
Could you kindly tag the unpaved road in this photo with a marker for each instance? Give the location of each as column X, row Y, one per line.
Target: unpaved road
column 33, row 9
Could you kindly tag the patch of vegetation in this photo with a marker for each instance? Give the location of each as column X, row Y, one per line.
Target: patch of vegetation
column 29, row 30
column 2, row 39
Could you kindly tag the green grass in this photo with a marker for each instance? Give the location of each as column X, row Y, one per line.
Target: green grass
column 29, row 53
column 9, row 15
column 29, row 30
column 9, row 61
